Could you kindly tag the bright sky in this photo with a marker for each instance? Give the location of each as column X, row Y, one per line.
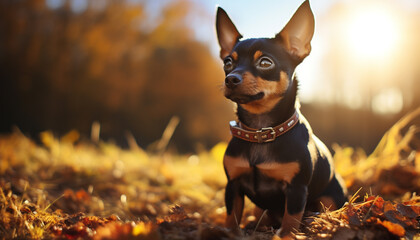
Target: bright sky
column 262, row 18
column 265, row 17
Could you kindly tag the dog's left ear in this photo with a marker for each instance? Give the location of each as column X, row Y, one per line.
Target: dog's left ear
column 296, row 36
column 227, row 33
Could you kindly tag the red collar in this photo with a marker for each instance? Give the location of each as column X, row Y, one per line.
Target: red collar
column 263, row 135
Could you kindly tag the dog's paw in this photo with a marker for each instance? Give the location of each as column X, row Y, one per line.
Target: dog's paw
column 286, row 236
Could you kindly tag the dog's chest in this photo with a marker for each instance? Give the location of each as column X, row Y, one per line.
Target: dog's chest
column 238, row 166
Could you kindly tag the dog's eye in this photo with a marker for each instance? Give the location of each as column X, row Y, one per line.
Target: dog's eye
column 265, row 63
column 228, row 64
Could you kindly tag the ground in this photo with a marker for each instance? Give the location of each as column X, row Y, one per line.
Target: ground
column 74, row 188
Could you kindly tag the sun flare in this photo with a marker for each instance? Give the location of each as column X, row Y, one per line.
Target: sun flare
column 373, row 33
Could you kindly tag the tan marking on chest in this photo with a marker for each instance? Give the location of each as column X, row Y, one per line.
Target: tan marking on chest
column 236, row 166
column 280, row 171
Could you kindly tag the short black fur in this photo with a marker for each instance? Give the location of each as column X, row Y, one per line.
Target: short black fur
column 315, row 177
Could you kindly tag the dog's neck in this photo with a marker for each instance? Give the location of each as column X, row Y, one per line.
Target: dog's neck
column 279, row 114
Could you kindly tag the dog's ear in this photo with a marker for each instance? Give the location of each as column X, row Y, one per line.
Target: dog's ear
column 296, row 36
column 227, row 33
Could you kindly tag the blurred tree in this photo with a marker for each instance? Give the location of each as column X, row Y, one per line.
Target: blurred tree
column 61, row 69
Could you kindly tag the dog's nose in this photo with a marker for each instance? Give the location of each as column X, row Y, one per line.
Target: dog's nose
column 232, row 80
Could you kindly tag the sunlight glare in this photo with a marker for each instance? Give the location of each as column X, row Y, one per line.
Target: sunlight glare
column 373, row 33
column 388, row 101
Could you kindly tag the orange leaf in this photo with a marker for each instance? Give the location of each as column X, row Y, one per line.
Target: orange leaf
column 388, row 206
column 82, row 195
column 394, row 228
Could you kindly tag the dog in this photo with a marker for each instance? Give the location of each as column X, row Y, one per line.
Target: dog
column 273, row 157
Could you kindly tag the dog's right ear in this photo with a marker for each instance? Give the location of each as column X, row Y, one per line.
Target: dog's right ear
column 227, row 33
column 296, row 36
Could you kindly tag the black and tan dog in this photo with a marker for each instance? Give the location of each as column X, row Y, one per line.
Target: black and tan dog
column 273, row 158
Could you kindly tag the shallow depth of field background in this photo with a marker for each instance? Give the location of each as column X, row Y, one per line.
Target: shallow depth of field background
column 113, row 123
column 132, row 65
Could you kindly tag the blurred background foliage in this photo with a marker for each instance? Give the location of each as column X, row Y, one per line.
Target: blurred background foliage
column 131, row 69
column 63, row 70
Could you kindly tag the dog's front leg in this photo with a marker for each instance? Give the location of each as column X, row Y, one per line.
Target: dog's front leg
column 296, row 195
column 234, row 200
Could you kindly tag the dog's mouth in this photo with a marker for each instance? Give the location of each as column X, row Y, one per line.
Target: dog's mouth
column 244, row 99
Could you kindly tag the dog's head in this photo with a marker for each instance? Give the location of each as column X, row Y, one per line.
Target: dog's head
column 259, row 71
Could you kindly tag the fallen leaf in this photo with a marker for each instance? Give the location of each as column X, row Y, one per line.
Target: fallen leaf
column 394, row 228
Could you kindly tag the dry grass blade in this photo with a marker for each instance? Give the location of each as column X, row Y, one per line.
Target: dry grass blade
column 95, row 132
column 259, row 221
column 167, row 134
column 50, row 204
column 367, row 215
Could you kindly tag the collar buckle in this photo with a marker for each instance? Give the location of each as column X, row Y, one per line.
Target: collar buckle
column 263, row 138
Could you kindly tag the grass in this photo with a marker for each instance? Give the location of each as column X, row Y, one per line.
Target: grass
column 68, row 188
